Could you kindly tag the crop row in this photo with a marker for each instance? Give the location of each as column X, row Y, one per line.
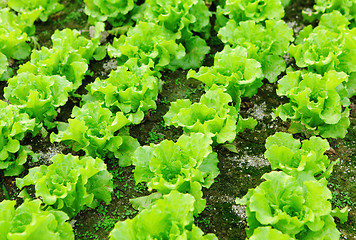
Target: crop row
column 167, row 35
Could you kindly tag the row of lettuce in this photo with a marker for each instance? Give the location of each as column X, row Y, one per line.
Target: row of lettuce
column 168, row 35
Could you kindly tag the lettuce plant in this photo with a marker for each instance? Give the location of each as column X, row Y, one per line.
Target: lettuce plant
column 29, row 221
column 296, row 159
column 70, row 183
column 168, row 218
column 98, row 132
column 116, row 12
column 15, row 32
column 45, row 7
column 69, row 56
column 317, row 103
column 130, row 89
column 233, row 70
column 148, row 41
column 329, row 46
column 214, row 115
column 13, row 127
column 266, row 44
column 38, row 95
column 255, row 10
column 186, row 166
column 298, row 208
column 184, row 18
column 176, row 15
column 345, row 7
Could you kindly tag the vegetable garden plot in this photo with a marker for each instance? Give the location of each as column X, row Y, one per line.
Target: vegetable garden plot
column 178, row 119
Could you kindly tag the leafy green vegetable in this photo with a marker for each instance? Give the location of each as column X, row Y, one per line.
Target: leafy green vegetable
column 286, row 153
column 317, row 103
column 185, row 19
column 69, row 56
column 168, row 218
column 186, row 166
column 45, row 7
column 345, row 7
column 266, row 44
column 130, row 89
column 176, row 15
column 148, row 41
column 39, row 96
column 213, row 115
column 3, row 63
column 98, row 132
column 243, row 10
column 13, row 127
column 28, row 221
column 233, row 70
column 269, row 233
column 329, row 46
column 14, row 33
column 117, row 12
column 298, row 208
column 70, row 183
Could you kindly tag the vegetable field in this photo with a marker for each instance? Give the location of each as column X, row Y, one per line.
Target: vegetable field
column 178, row 119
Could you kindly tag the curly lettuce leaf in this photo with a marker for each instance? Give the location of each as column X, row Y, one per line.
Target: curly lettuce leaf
column 234, row 71
column 243, row 10
column 45, row 7
column 266, row 44
column 329, row 46
column 116, row 12
column 288, row 154
column 214, row 115
column 14, row 33
column 131, row 89
column 318, row 103
column 297, row 208
column 13, row 126
column 38, row 95
column 70, row 183
column 69, row 56
column 29, row 221
column 170, row 217
column 148, row 41
column 178, row 166
column 176, row 16
column 96, row 130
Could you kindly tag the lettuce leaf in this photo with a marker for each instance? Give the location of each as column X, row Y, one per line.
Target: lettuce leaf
column 234, row 71
column 255, row 10
column 45, row 7
column 37, row 95
column 298, row 208
column 29, row 221
column 98, row 132
column 286, row 153
column 266, row 44
column 178, row 166
column 214, row 115
column 69, row 56
column 148, row 41
column 130, row 89
column 170, row 217
column 15, row 31
column 117, row 12
column 70, row 183
column 329, row 46
column 317, row 103
column 13, row 126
